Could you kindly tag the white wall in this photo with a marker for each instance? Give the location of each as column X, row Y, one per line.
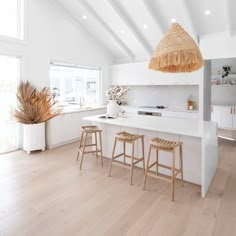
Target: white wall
column 218, row 45
column 51, row 35
column 171, row 96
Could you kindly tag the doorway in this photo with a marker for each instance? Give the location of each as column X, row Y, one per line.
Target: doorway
column 9, row 77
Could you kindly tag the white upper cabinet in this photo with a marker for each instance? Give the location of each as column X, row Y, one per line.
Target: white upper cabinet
column 140, row 74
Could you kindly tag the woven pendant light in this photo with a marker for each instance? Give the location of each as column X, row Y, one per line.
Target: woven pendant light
column 176, row 52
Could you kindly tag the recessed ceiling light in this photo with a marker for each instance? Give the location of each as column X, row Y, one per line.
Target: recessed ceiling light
column 145, row 26
column 173, row 20
column 122, row 31
column 207, row 12
column 84, row 17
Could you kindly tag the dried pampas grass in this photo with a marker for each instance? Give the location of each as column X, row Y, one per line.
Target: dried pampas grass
column 35, row 106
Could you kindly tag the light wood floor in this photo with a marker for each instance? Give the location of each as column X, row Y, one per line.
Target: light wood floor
column 46, row 194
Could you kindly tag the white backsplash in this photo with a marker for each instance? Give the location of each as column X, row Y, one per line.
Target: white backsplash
column 170, row 96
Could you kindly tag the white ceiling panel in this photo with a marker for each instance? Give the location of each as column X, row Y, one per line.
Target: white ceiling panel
column 143, row 20
column 131, row 29
column 118, row 26
column 212, row 23
column 169, row 10
column 92, row 26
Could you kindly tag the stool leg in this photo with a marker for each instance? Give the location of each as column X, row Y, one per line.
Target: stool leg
column 132, row 164
column 82, row 155
column 113, row 154
column 124, row 149
column 157, row 160
column 181, row 163
column 173, row 177
column 96, row 142
column 143, row 155
column 100, row 139
column 147, row 166
column 80, row 145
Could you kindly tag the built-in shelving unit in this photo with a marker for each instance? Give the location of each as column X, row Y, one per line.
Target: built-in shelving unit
column 217, row 77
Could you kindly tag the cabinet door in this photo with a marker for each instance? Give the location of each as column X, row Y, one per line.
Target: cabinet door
column 234, row 117
column 215, row 114
column 226, row 117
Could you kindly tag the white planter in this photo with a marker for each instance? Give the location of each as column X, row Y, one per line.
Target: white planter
column 113, row 108
column 34, row 137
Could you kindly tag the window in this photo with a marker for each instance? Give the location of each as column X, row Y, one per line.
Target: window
column 9, row 76
column 70, row 83
column 11, row 18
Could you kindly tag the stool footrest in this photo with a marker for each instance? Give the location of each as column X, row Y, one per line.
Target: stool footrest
column 89, row 145
column 138, row 161
column 94, row 151
column 168, row 179
column 125, row 165
column 153, row 164
column 117, row 156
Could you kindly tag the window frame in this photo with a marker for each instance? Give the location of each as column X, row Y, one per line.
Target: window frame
column 72, row 65
column 22, row 6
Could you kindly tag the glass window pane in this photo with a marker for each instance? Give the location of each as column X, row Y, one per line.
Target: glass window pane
column 70, row 83
column 10, row 18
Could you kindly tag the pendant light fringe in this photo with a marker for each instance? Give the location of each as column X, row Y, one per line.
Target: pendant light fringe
column 177, row 52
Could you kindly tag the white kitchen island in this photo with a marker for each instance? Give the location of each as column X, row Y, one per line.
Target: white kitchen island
column 200, row 144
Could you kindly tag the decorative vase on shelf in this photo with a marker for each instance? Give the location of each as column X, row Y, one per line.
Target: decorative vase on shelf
column 113, row 108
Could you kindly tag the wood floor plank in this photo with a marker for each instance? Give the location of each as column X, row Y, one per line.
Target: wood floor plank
column 46, row 194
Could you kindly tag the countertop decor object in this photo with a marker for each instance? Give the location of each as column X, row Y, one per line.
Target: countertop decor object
column 113, row 108
column 176, row 52
column 36, row 106
column 115, row 96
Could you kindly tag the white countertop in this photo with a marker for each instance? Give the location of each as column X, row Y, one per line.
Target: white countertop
column 73, row 109
column 187, row 127
column 173, row 109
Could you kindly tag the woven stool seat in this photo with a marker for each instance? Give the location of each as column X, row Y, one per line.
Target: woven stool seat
column 164, row 144
column 125, row 136
column 90, row 129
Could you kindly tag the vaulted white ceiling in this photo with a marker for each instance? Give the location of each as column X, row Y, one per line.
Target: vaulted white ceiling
column 131, row 29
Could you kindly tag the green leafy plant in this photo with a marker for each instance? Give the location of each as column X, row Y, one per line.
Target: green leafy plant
column 34, row 105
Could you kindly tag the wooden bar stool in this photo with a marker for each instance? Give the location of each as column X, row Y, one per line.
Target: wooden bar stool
column 125, row 137
column 167, row 146
column 85, row 131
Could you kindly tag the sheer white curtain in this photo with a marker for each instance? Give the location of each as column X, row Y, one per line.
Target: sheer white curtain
column 9, row 75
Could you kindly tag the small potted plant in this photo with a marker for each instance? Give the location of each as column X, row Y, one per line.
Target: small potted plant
column 115, row 96
column 35, row 107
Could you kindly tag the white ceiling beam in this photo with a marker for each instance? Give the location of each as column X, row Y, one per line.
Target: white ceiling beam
column 131, row 25
column 190, row 21
column 154, row 16
column 102, row 23
column 228, row 18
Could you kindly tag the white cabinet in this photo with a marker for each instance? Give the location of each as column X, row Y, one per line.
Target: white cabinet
column 234, row 117
column 225, row 116
column 215, row 113
column 65, row 128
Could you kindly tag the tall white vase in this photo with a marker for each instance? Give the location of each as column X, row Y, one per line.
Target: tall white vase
column 113, row 108
column 34, row 137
